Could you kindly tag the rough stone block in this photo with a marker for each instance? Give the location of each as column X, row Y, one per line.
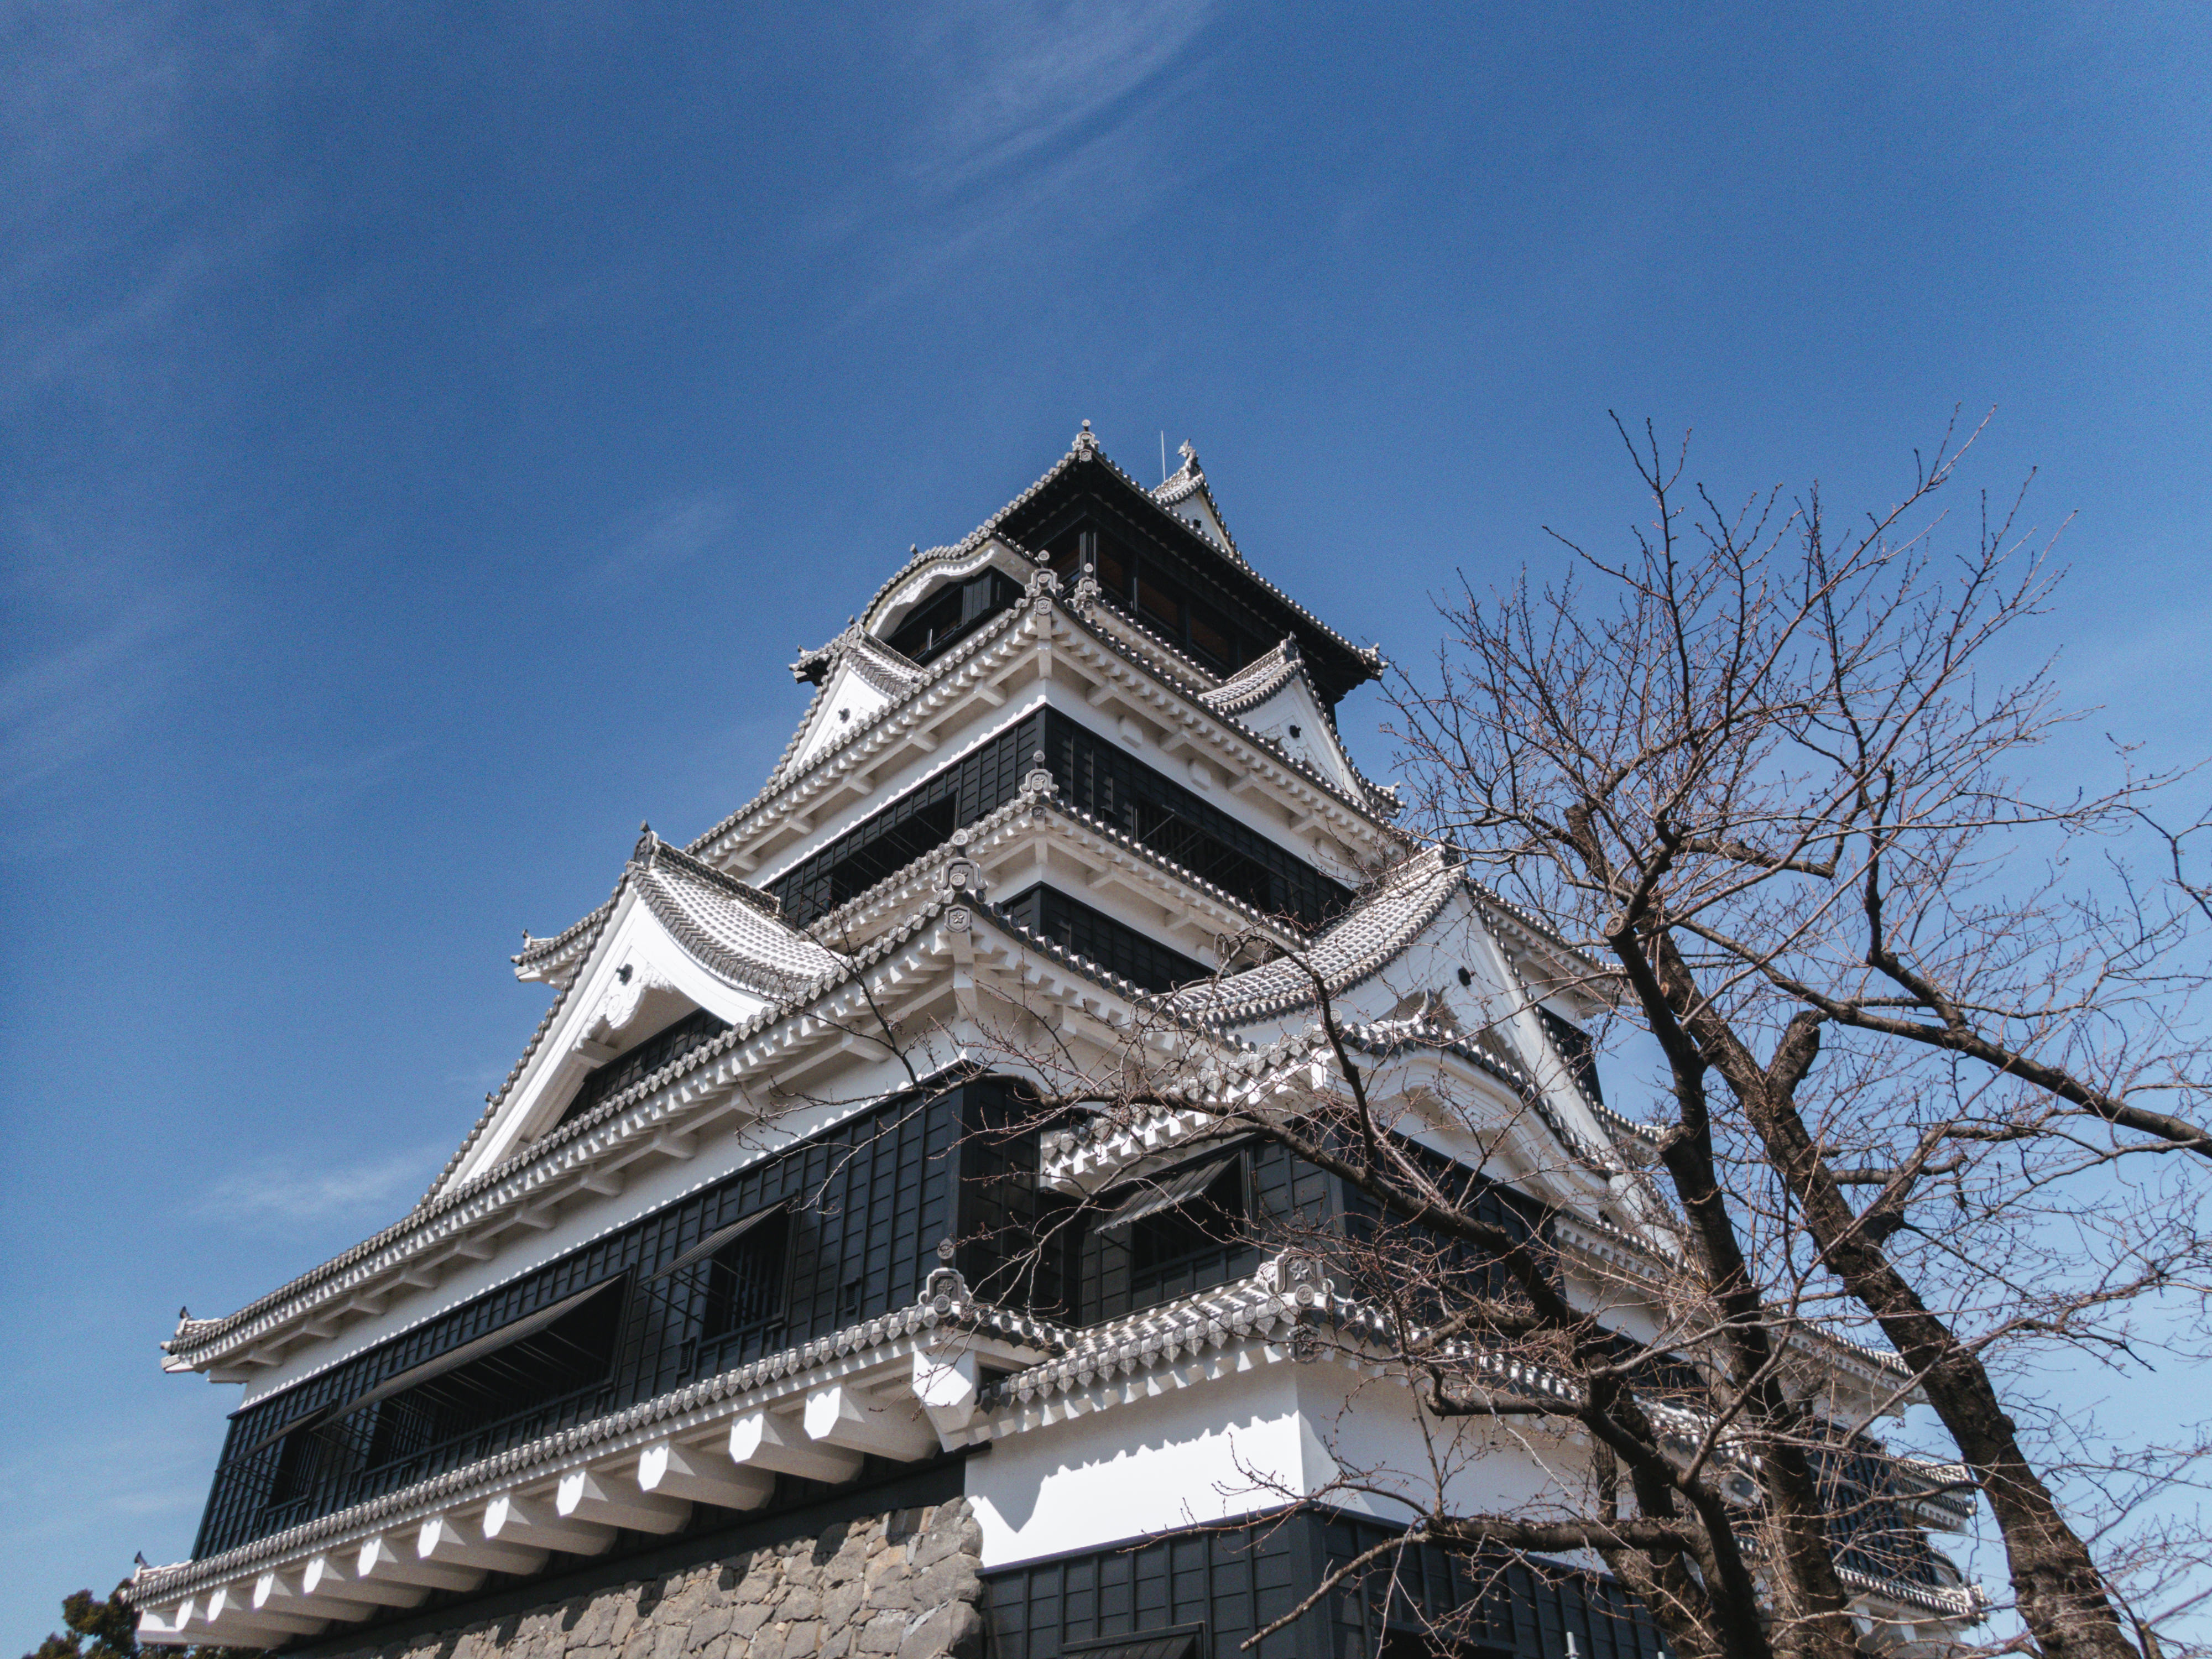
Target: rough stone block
column 948, row 1630
column 883, row 1633
column 708, row 1623
column 840, row 1603
column 747, row 1619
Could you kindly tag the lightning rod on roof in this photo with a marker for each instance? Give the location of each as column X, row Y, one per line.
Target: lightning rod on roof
column 1164, row 457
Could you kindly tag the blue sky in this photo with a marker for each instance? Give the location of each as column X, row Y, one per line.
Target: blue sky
column 426, row 436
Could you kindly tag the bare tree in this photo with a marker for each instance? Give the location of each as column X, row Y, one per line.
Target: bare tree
column 1780, row 780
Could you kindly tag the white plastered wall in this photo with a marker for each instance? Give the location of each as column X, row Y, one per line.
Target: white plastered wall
column 1243, row 1444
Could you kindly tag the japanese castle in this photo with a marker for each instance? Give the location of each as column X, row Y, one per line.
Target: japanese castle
column 756, row 1315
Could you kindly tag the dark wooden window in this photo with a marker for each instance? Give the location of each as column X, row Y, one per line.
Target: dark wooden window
column 1166, row 593
column 977, row 784
column 1453, row 1270
column 952, row 613
column 1096, row 937
column 1243, row 1212
column 665, row 1047
column 618, row 1321
column 1101, row 777
column 1096, row 775
column 747, row 1279
column 1226, row 1583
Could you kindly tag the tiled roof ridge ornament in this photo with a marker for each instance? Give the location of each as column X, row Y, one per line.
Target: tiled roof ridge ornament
column 648, row 845
column 1038, row 780
column 961, row 877
column 1087, row 442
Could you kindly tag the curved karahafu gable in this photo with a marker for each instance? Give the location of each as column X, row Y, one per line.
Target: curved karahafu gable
column 1182, row 509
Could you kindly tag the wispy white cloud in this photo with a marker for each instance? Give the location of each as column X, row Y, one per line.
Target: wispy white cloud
column 669, row 533
column 1012, row 79
column 146, row 1480
column 286, row 1191
column 64, row 703
column 1040, row 125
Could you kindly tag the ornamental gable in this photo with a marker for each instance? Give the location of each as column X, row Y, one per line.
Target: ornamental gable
column 680, row 948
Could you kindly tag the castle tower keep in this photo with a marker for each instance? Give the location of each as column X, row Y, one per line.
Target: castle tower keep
column 752, row 1317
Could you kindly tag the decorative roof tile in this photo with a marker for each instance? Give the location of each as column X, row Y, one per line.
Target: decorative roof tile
column 1359, row 944
column 736, row 930
column 1257, row 681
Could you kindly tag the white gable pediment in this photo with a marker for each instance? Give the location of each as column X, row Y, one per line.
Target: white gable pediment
column 1294, row 717
column 637, row 982
column 846, row 702
column 677, row 937
column 1272, row 697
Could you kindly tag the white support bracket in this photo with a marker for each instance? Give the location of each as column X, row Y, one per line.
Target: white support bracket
column 533, row 1523
column 610, row 1501
column 284, row 1593
column 762, row 1440
column 444, row 1542
column 672, row 1471
column 227, row 1616
column 947, row 1385
column 339, row 1577
column 395, row 1561
column 166, row 1630
column 841, row 1415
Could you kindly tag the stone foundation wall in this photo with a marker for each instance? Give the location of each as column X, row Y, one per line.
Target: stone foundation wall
column 904, row 1585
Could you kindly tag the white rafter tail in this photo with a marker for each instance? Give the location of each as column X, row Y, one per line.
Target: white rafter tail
column 340, row 1578
column 762, row 1440
column 841, row 1415
column 285, row 1592
column 229, row 1619
column 669, row 1470
column 397, row 1561
column 166, row 1627
column 613, row 1501
column 535, row 1523
column 445, row 1542
column 948, row 1385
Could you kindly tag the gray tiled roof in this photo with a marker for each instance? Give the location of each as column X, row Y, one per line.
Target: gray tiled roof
column 733, row 929
column 192, row 1333
column 1367, row 939
column 936, row 1312
column 1257, row 681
